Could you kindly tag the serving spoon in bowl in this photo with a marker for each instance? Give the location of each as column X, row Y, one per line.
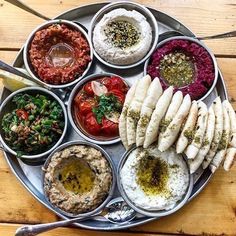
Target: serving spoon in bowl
column 117, row 212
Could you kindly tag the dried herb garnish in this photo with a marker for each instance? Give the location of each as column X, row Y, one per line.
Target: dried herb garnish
column 122, row 34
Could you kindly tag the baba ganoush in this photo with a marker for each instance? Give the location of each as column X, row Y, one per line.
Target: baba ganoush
column 154, row 180
column 122, row 37
column 77, row 179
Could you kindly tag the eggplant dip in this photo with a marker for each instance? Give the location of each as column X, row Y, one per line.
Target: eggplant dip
column 77, row 179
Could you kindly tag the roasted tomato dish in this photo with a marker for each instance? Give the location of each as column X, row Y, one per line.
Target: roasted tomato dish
column 97, row 106
column 59, row 54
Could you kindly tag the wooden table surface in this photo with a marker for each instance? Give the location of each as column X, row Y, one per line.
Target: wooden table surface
column 213, row 211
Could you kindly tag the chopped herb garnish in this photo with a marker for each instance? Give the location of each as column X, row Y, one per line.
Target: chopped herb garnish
column 106, row 105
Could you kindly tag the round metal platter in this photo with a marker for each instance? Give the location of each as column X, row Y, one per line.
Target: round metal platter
column 30, row 174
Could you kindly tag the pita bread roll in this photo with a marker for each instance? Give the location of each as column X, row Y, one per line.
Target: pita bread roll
column 195, row 163
column 159, row 112
column 189, row 126
column 175, row 103
column 134, row 110
column 232, row 117
column 229, row 158
column 170, row 135
column 154, row 92
column 217, row 106
column 123, row 115
column 222, row 148
column 194, row 147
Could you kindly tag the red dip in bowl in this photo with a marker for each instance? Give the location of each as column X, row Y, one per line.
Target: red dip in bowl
column 59, row 54
column 185, row 65
column 97, row 107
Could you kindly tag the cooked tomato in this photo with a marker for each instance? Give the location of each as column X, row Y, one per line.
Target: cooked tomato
column 91, row 124
column 109, row 128
column 88, row 89
column 79, row 98
column 86, row 106
column 118, row 83
column 107, row 82
column 22, row 114
column 118, row 94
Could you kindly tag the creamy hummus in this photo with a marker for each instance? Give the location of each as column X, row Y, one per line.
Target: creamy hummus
column 122, row 37
column 154, row 180
column 77, row 179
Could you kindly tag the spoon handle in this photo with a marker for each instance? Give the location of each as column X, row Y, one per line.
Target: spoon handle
column 32, row 230
column 11, row 69
column 23, row 6
column 218, row 36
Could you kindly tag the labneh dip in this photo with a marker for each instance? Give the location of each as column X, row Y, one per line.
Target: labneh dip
column 122, row 37
column 59, row 54
column 154, row 180
column 77, row 179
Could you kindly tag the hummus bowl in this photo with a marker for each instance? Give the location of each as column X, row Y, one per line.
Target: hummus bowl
column 185, row 63
column 79, row 179
column 94, row 107
column 58, row 53
column 28, row 121
column 154, row 184
column 123, row 34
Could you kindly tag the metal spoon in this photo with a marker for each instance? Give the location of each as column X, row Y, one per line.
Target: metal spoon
column 117, row 212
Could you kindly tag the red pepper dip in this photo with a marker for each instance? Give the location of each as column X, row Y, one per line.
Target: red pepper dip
column 97, row 107
column 185, row 65
column 59, row 54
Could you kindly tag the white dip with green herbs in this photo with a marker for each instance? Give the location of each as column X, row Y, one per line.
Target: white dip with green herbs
column 155, row 180
column 122, row 37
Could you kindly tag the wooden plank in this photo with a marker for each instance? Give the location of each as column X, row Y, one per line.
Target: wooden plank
column 202, row 17
column 9, row 230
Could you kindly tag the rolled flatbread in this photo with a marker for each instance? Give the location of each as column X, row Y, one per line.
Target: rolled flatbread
column 194, row 147
column 170, row 135
column 158, row 113
column 232, row 117
column 229, row 158
column 195, row 163
column 154, row 92
column 185, row 136
column 217, row 106
column 222, row 147
column 123, row 116
column 134, row 110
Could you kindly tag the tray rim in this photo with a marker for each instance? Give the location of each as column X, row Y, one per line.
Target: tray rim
column 28, row 185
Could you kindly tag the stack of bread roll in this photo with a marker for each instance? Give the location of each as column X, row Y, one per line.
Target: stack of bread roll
column 207, row 136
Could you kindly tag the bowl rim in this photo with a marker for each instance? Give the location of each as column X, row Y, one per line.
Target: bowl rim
column 216, row 71
column 123, row 4
column 70, row 102
column 113, row 172
column 53, row 96
column 45, row 25
column 157, row 213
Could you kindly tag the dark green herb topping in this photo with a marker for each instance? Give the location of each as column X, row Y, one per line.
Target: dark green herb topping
column 122, row 34
column 177, row 69
column 223, row 141
column 106, row 105
column 34, row 126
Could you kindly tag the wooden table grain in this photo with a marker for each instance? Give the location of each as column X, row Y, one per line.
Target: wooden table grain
column 213, row 211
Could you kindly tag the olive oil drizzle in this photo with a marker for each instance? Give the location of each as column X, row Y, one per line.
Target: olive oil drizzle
column 76, row 176
column 152, row 175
